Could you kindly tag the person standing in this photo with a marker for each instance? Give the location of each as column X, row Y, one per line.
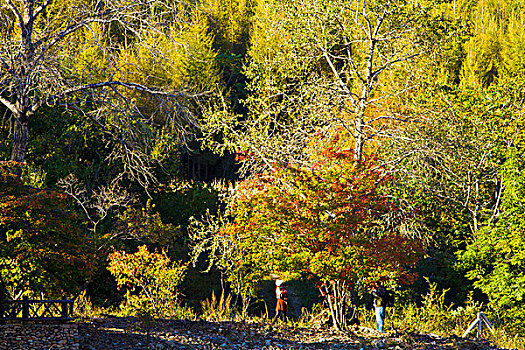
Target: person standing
column 381, row 300
column 282, row 302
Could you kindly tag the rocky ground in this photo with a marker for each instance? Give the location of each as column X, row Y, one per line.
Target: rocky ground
column 131, row 334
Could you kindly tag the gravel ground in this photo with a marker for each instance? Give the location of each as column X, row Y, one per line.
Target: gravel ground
column 128, row 334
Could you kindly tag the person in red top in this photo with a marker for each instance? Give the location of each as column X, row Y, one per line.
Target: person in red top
column 282, row 302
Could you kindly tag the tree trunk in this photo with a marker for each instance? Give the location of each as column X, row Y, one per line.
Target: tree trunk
column 359, row 137
column 18, row 152
column 337, row 294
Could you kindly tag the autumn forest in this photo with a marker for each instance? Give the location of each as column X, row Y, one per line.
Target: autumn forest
column 155, row 151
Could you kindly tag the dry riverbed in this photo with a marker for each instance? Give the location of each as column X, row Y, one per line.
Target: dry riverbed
column 129, row 334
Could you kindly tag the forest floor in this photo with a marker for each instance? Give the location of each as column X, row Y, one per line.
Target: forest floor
column 129, row 334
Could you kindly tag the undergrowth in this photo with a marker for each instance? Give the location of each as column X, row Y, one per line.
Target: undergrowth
column 214, row 309
column 435, row 317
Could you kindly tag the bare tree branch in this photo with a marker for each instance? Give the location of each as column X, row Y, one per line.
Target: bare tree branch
column 15, row 11
column 40, row 66
column 8, row 104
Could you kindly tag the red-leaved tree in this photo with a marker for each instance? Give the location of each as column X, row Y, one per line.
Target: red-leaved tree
column 43, row 248
column 324, row 220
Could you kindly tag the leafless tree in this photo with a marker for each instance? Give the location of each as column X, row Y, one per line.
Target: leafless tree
column 377, row 38
column 324, row 65
column 96, row 205
column 454, row 154
column 41, row 43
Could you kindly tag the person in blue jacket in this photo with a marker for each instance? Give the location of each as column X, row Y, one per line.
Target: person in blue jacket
column 381, row 301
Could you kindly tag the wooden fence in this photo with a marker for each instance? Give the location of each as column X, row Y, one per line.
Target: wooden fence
column 33, row 310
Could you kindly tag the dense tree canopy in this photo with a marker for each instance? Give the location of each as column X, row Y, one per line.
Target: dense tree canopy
column 494, row 254
column 117, row 106
column 43, row 248
column 325, row 221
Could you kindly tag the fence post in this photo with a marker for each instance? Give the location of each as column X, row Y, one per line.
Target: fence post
column 64, row 309
column 2, row 311
column 2, row 298
column 25, row 308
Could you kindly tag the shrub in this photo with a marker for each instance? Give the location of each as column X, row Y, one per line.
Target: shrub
column 44, row 249
column 84, row 308
column 150, row 279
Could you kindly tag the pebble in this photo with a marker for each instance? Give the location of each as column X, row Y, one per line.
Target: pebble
column 39, row 336
column 203, row 335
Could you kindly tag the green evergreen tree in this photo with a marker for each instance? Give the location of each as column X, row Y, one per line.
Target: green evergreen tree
column 495, row 50
column 230, row 23
column 494, row 255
